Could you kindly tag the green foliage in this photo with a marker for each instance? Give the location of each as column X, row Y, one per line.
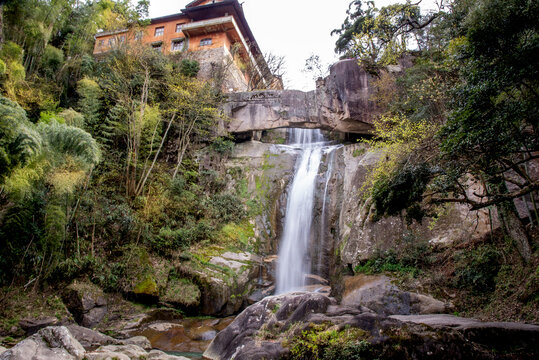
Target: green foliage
column 378, row 37
column 90, row 104
column 226, row 208
column 19, row 142
column 189, row 68
column 223, row 146
column 11, row 52
column 181, row 291
column 402, row 189
column 318, row 342
column 410, row 256
column 477, row 269
column 178, row 185
column 498, row 100
column 72, row 118
column 64, row 139
column 47, row 117
column 52, row 61
column 386, row 262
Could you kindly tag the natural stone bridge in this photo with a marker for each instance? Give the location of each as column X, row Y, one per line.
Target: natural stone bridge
column 340, row 103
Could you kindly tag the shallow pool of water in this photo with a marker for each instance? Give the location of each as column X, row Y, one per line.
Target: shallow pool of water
column 189, row 355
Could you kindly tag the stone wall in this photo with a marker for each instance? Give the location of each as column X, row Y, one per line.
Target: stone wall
column 216, row 62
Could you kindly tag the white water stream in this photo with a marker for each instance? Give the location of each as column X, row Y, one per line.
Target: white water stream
column 294, row 262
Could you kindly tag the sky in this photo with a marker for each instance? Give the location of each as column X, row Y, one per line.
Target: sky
column 295, row 29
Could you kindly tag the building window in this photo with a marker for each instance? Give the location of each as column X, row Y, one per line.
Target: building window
column 138, row 35
column 205, row 42
column 179, row 27
column 177, row 45
column 112, row 42
column 122, row 39
column 160, row 31
column 101, row 43
column 158, row 47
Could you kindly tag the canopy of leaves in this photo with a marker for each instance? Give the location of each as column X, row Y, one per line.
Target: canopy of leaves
column 18, row 139
column 494, row 124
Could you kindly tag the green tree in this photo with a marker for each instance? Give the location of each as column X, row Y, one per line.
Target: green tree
column 492, row 133
column 46, row 164
column 378, row 37
column 19, row 142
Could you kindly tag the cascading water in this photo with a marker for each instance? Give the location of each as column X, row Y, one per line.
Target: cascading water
column 293, row 261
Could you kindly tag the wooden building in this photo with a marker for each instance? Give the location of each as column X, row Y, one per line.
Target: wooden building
column 213, row 32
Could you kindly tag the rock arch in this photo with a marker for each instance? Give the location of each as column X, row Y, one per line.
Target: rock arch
column 340, row 103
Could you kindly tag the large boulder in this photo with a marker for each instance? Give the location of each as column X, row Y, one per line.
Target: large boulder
column 383, row 297
column 224, row 287
column 238, row 339
column 53, row 342
column 86, row 302
column 90, row 339
column 57, row 342
column 128, row 352
column 31, row 325
column 308, row 324
column 503, row 336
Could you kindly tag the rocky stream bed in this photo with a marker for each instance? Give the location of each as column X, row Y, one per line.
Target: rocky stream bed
column 374, row 320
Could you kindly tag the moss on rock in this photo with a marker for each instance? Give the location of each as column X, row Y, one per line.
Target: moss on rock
column 182, row 292
column 148, row 287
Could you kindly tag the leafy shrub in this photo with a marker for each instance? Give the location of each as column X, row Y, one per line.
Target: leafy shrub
column 72, row 268
column 52, row 60
column 226, row 208
column 330, row 344
column 47, row 117
column 211, row 181
column 401, row 190
column 223, row 146
column 11, row 52
column 72, row 118
column 189, row 68
column 387, row 261
column 178, row 185
column 477, row 269
column 182, row 237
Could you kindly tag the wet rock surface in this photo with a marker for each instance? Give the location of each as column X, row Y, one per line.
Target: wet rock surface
column 266, row 330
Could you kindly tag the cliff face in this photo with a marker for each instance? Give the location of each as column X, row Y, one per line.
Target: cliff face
column 341, row 103
column 343, row 231
column 359, row 236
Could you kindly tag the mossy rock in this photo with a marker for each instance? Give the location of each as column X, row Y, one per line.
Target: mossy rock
column 182, row 292
column 147, row 287
column 145, row 276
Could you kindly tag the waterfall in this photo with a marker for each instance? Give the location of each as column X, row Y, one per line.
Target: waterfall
column 293, row 261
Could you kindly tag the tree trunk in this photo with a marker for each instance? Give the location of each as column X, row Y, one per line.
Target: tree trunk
column 511, row 223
